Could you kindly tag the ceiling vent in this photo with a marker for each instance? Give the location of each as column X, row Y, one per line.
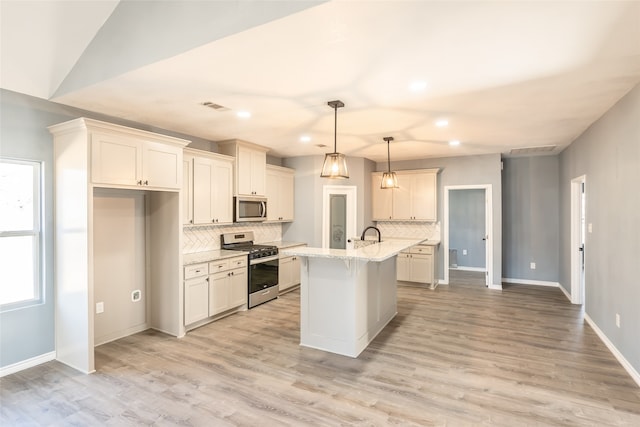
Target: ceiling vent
column 528, row 151
column 215, row 106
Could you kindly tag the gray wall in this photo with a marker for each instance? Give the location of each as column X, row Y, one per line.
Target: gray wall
column 531, row 226
column 29, row 332
column 307, row 226
column 470, row 170
column 467, row 227
column 608, row 153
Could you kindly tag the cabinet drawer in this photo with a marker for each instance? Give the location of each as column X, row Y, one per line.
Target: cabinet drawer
column 195, row 270
column 426, row 250
column 219, row 265
column 238, row 262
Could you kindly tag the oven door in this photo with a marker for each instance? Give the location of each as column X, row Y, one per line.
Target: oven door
column 263, row 281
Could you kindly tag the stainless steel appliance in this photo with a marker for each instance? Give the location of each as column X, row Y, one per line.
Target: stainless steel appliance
column 263, row 266
column 247, row 208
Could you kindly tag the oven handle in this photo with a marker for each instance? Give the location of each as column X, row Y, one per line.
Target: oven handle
column 265, row 259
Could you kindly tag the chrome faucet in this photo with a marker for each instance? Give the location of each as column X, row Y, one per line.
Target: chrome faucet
column 375, row 228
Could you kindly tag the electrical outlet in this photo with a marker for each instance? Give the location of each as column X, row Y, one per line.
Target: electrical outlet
column 617, row 320
column 136, row 295
column 532, row 265
column 590, row 227
column 464, row 252
column 99, row 307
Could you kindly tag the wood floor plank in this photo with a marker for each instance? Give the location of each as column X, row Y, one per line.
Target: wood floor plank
column 457, row 355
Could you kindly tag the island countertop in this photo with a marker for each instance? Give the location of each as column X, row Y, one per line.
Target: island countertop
column 375, row 251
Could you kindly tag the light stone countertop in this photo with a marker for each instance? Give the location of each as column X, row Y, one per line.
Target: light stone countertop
column 375, row 251
column 206, row 256
column 282, row 244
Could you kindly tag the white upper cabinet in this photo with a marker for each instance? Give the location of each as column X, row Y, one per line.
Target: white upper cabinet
column 211, row 188
column 280, row 193
column 135, row 159
column 415, row 199
column 251, row 163
column 381, row 199
column 187, row 188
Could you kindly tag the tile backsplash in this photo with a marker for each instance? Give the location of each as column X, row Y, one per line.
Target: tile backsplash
column 409, row 229
column 207, row 238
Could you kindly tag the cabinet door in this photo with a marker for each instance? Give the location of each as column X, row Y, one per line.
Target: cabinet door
column 187, row 189
column 222, row 192
column 115, row 159
column 381, row 199
column 219, row 285
column 403, row 267
column 295, row 271
column 279, row 190
column 202, row 179
column 402, row 198
column 196, row 299
column 423, row 197
column 285, row 270
column 238, row 287
column 161, row 165
column 251, row 171
column 421, row 268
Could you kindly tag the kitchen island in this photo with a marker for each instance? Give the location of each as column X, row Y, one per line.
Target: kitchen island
column 347, row 296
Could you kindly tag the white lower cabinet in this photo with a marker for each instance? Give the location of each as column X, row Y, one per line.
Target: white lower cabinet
column 213, row 288
column 228, row 287
column 196, row 293
column 417, row 264
column 288, row 271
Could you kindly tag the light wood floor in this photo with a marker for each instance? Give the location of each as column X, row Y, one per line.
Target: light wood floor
column 459, row 355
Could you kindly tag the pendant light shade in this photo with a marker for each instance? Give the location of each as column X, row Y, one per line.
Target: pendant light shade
column 389, row 179
column 335, row 164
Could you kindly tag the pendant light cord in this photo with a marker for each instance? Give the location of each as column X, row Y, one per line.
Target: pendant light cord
column 335, row 129
column 388, row 158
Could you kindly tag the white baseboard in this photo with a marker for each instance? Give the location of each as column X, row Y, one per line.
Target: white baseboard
column 612, row 348
column 495, row 287
column 463, row 268
column 29, row 363
column 530, row 282
column 564, row 291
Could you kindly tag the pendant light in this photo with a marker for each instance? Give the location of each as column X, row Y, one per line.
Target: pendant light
column 389, row 179
column 335, row 164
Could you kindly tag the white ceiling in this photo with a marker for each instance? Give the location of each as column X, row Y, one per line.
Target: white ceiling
column 505, row 74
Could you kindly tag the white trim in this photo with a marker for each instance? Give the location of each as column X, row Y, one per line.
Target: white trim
column 531, row 282
column 625, row 364
column 564, row 291
column 577, row 279
column 463, row 268
column 28, row 363
column 488, row 230
column 494, row 287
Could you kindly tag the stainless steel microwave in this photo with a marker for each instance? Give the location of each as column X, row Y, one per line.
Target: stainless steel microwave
column 246, row 208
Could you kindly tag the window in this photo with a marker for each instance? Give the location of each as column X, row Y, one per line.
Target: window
column 20, row 234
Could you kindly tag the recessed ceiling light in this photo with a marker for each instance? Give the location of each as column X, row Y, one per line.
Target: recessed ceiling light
column 442, row 123
column 305, row 138
column 454, row 142
column 243, row 114
column 418, row 86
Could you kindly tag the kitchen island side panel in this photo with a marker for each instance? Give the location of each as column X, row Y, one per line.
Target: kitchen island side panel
column 344, row 304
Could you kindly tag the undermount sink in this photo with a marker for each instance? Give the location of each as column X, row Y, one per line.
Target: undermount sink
column 357, row 243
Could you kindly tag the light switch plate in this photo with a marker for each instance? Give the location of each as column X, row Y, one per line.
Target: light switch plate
column 99, row 307
column 590, row 227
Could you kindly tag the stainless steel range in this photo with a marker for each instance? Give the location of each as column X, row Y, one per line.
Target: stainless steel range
column 263, row 266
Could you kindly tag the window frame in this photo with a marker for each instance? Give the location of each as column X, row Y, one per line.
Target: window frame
column 36, row 233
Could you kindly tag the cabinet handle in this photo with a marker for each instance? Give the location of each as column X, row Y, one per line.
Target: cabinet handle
column 190, row 221
column 139, row 182
column 146, row 182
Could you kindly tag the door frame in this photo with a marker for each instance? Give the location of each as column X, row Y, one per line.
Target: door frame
column 488, row 227
column 351, row 192
column 577, row 272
